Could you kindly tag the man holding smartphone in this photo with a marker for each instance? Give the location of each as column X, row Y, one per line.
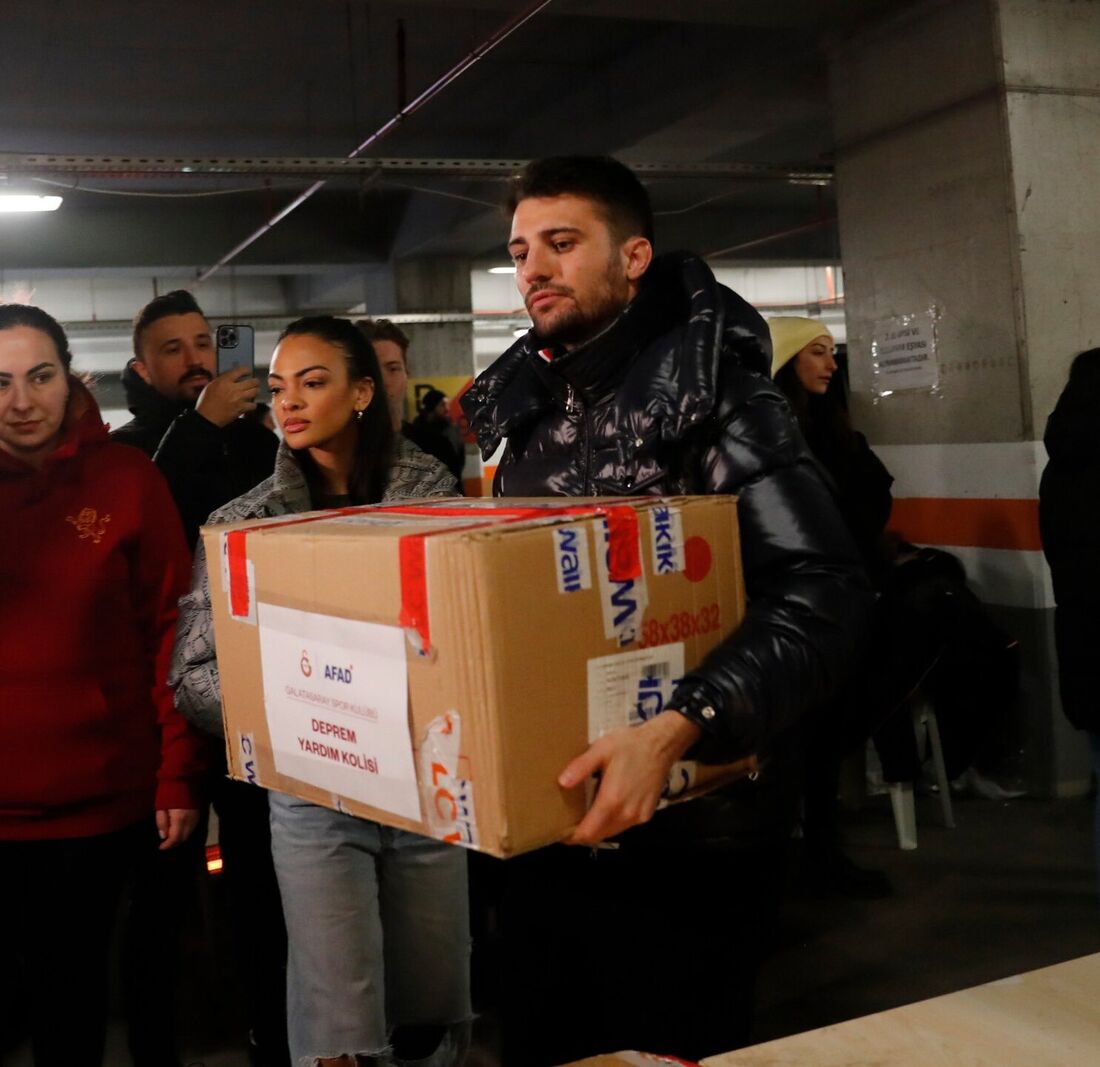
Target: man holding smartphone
column 186, row 416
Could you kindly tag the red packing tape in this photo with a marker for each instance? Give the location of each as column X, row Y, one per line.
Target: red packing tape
column 238, row 574
column 624, row 557
column 414, row 587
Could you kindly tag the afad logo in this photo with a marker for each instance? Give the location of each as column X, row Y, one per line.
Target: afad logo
column 332, row 673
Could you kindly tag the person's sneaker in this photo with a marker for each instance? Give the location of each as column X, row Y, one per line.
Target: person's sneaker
column 973, row 783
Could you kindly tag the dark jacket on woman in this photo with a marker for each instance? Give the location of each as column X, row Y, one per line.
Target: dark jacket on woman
column 1069, row 523
column 674, row 397
column 860, row 480
column 205, row 465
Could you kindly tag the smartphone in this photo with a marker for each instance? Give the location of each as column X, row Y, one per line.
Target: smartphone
column 236, row 348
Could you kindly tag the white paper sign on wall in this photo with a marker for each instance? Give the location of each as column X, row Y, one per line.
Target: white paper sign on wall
column 904, row 353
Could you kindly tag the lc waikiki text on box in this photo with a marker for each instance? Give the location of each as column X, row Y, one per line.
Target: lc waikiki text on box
column 435, row 666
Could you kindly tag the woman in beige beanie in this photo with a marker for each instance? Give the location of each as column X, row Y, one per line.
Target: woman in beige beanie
column 804, row 366
column 807, row 349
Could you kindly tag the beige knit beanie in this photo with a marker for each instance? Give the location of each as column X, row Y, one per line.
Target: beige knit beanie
column 791, row 334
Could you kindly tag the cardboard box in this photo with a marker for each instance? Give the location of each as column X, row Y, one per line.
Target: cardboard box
column 631, row 1059
column 435, row 666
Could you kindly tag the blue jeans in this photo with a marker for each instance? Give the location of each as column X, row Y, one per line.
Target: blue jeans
column 378, row 927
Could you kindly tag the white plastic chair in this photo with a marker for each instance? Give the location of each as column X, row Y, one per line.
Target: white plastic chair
column 927, row 730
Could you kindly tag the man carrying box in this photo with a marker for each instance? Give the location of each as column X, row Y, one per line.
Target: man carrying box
column 645, row 376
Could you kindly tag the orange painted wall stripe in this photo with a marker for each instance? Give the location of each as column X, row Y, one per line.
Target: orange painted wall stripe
column 1012, row 524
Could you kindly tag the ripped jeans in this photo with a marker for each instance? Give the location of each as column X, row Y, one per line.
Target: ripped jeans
column 378, row 927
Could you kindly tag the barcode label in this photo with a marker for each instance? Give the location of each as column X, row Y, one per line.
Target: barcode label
column 629, row 688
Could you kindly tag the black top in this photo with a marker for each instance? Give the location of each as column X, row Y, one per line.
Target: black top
column 1069, row 522
column 673, row 398
column 205, row 466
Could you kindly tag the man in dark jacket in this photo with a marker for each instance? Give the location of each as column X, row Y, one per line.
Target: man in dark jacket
column 1068, row 523
column 391, row 345
column 186, row 418
column 645, row 375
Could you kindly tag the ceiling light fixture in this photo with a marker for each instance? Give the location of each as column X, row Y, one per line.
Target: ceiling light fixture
column 12, row 202
column 502, row 270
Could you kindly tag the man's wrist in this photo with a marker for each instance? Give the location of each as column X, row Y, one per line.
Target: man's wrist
column 210, row 419
column 678, row 733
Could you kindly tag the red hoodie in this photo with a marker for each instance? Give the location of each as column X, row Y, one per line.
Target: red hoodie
column 92, row 564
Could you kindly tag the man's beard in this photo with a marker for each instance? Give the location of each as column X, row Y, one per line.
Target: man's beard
column 574, row 325
column 191, row 386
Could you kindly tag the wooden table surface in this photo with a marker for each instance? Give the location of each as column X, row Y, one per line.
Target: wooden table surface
column 1044, row 1018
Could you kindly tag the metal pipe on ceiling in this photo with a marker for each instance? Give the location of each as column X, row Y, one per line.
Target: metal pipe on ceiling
column 267, row 321
column 137, row 166
column 817, row 224
column 428, row 94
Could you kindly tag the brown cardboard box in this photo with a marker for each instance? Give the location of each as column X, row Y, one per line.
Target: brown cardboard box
column 434, row 667
column 630, row 1059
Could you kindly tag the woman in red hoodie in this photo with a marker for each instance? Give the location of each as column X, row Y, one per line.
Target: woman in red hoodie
column 92, row 752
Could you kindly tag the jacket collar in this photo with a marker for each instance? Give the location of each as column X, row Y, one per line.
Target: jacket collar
column 680, row 302
column 145, row 403
column 289, row 480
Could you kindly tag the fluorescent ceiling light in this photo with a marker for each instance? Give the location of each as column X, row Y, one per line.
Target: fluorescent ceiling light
column 10, row 202
column 502, row 270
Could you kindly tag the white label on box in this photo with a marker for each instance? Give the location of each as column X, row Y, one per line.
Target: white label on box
column 571, row 559
column 448, row 799
column 668, row 540
column 629, row 688
column 336, row 698
column 623, row 603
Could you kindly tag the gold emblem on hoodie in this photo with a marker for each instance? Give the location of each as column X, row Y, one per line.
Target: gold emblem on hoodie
column 89, row 524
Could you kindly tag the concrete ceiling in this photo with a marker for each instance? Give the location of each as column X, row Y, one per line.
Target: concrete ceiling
column 687, row 81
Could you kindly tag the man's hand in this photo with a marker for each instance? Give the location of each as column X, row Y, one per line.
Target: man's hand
column 633, row 764
column 227, row 396
column 176, row 825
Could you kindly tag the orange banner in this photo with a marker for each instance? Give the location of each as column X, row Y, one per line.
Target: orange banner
column 1011, row 524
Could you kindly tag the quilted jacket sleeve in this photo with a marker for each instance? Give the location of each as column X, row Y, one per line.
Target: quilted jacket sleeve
column 809, row 598
column 194, row 671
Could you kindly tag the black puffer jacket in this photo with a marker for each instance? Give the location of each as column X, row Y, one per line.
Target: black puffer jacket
column 1069, row 522
column 205, row 466
column 673, row 398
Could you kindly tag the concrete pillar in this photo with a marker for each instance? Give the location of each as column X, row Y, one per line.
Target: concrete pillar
column 441, row 354
column 968, row 149
column 436, row 285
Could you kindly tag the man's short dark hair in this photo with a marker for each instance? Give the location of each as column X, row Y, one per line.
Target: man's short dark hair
column 177, row 302
column 612, row 185
column 385, row 330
